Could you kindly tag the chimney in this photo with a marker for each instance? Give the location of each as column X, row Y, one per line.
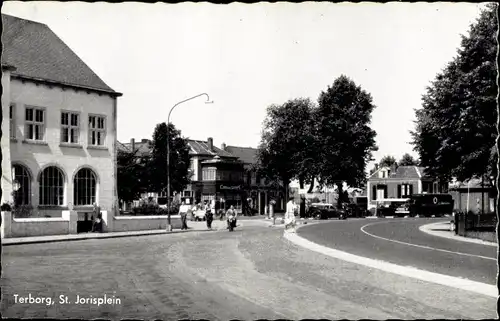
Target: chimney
column 210, row 142
column 376, row 166
column 394, row 167
column 223, row 146
column 132, row 144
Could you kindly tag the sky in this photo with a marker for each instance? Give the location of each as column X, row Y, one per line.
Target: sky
column 249, row 56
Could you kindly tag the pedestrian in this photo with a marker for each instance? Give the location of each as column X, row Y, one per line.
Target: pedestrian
column 209, row 216
column 183, row 213
column 290, row 221
column 231, row 212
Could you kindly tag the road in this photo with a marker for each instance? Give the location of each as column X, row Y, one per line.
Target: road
column 401, row 242
column 252, row 273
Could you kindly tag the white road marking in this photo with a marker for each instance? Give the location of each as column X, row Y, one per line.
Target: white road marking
column 446, row 280
column 422, row 246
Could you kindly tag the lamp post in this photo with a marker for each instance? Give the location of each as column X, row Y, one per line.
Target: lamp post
column 169, row 226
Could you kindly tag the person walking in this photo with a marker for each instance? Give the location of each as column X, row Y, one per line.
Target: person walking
column 290, row 221
column 209, row 216
column 183, row 213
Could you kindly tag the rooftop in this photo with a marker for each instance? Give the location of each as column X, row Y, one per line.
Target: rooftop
column 247, row 155
column 402, row 172
column 38, row 53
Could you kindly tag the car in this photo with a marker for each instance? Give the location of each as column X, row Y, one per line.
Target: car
column 322, row 211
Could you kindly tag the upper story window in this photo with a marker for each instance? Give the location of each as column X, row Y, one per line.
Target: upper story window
column 208, row 174
column 35, row 123
column 97, row 130
column 382, row 174
column 70, row 127
column 12, row 121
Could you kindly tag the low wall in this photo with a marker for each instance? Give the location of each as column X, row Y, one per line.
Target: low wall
column 25, row 227
column 124, row 223
column 67, row 224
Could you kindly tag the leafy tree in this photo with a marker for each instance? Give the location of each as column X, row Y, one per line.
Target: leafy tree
column 408, row 160
column 387, row 161
column 179, row 160
column 287, row 145
column 130, row 174
column 455, row 129
column 347, row 141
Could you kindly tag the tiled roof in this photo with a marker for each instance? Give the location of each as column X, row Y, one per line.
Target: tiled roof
column 143, row 148
column 38, row 53
column 403, row 172
column 247, row 155
column 199, row 147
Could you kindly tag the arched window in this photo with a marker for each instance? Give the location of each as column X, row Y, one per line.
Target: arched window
column 22, row 180
column 84, row 187
column 52, row 187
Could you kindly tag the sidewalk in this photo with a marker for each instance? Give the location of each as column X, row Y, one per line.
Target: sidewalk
column 217, row 225
column 442, row 229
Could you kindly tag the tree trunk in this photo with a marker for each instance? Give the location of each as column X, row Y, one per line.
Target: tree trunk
column 312, row 186
column 302, row 199
column 340, row 195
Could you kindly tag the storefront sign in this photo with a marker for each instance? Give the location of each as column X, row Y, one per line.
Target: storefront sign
column 233, row 188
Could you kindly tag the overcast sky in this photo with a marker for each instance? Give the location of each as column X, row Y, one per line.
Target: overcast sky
column 247, row 57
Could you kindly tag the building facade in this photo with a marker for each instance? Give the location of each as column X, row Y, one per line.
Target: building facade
column 226, row 174
column 59, row 141
column 400, row 182
column 257, row 192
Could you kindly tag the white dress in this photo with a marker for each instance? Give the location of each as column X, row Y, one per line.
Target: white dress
column 290, row 216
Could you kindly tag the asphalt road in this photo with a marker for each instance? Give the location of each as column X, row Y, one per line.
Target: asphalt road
column 387, row 240
column 252, row 273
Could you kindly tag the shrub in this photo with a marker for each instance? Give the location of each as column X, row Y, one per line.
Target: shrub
column 23, row 211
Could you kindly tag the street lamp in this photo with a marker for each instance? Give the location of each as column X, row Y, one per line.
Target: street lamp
column 169, row 227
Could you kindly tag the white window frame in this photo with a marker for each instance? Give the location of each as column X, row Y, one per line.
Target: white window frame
column 90, row 188
column 209, row 174
column 73, row 130
column 12, row 118
column 94, row 130
column 38, row 126
column 53, row 186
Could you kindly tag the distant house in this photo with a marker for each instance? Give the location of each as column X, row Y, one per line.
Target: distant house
column 400, row 182
column 227, row 173
column 256, row 187
column 473, row 195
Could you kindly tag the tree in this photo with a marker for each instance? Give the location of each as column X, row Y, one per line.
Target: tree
column 179, row 160
column 408, row 160
column 347, row 141
column 130, row 175
column 455, row 129
column 387, row 161
column 287, row 145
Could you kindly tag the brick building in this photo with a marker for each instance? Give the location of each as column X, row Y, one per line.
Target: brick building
column 400, row 182
column 59, row 124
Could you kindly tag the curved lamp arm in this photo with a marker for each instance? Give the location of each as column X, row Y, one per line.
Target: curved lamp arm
column 180, row 102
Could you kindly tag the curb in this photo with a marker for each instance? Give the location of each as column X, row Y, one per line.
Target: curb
column 432, row 277
column 13, row 241
column 94, row 237
column 427, row 229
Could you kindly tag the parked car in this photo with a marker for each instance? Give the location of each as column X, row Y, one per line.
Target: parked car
column 323, row 211
column 431, row 204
